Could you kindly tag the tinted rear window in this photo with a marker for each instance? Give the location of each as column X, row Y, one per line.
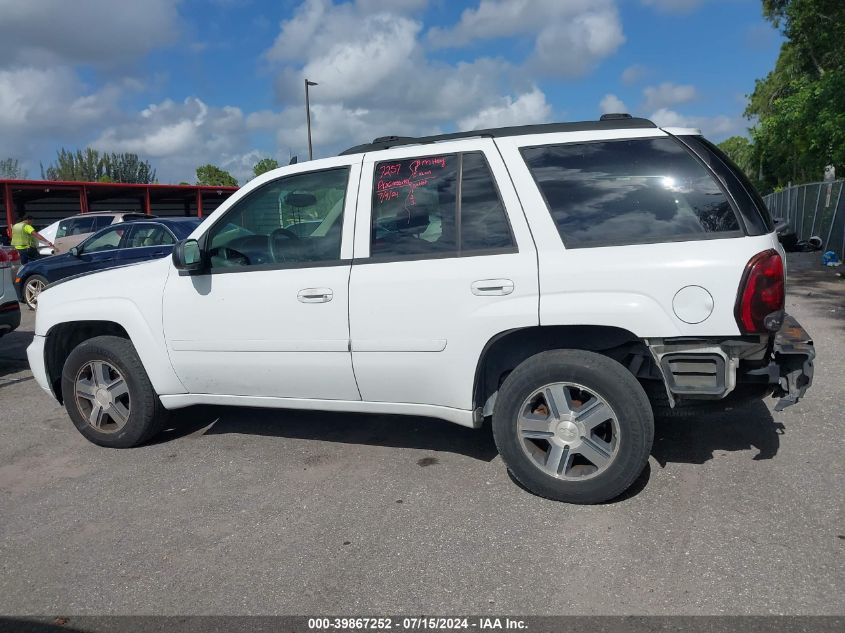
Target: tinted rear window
column 629, row 192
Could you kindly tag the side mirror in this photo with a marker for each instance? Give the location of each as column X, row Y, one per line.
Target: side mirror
column 187, row 256
column 74, row 252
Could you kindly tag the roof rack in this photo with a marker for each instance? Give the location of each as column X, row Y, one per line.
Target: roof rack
column 607, row 122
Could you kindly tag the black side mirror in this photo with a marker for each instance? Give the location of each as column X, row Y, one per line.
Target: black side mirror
column 74, row 252
column 187, row 256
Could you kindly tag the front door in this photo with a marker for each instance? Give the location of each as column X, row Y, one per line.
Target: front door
column 270, row 315
column 98, row 252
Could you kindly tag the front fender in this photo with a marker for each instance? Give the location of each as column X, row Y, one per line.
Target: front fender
column 105, row 297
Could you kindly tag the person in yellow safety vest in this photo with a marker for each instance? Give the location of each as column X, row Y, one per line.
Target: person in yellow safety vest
column 25, row 239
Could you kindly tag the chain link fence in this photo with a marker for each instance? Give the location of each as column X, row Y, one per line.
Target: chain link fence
column 817, row 208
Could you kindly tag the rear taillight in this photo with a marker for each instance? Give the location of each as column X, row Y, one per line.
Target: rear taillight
column 761, row 294
column 5, row 259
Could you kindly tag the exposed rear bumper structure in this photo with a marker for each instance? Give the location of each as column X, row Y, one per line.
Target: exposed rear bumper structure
column 707, row 369
column 791, row 369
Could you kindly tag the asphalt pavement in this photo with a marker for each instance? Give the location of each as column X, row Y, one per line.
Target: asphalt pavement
column 238, row 511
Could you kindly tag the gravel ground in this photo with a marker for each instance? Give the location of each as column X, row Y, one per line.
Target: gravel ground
column 270, row 512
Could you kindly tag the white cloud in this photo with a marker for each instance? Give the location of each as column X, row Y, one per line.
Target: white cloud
column 42, row 109
column 668, row 94
column 376, row 6
column 93, row 32
column 375, row 78
column 570, row 37
column 674, row 6
column 177, row 137
column 612, row 104
column 633, row 74
column 528, row 108
column 714, row 127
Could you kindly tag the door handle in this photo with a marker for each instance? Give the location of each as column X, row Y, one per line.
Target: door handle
column 491, row 287
column 315, row 295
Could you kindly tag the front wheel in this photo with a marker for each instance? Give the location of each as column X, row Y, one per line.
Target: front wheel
column 573, row 426
column 32, row 287
column 108, row 395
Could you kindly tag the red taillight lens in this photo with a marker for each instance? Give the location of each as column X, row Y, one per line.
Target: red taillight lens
column 761, row 292
column 5, row 259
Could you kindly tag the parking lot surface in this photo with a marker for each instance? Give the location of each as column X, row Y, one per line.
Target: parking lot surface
column 239, row 511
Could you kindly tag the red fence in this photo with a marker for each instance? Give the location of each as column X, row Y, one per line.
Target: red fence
column 49, row 200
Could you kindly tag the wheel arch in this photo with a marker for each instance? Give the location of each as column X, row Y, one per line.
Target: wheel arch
column 63, row 338
column 120, row 318
column 506, row 350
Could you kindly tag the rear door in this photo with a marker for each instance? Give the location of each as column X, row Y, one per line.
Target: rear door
column 444, row 262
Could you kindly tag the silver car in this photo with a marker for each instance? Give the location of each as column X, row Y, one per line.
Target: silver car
column 75, row 229
column 10, row 311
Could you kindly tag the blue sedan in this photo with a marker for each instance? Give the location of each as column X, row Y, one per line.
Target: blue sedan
column 116, row 245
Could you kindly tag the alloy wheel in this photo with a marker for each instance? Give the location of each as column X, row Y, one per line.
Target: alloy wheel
column 31, row 291
column 568, row 431
column 102, row 396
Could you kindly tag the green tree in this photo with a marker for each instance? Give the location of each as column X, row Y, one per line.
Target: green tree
column 128, row 168
column 740, row 151
column 89, row 165
column 214, row 176
column 11, row 168
column 265, row 165
column 800, row 105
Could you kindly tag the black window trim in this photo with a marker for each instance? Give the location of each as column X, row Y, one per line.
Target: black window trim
column 687, row 237
column 458, row 251
column 324, row 263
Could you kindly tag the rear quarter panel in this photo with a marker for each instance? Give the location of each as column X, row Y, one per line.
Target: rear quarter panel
column 633, row 286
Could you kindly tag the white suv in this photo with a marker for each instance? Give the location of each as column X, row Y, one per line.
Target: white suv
column 566, row 280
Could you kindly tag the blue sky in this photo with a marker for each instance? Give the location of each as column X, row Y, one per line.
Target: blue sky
column 185, row 82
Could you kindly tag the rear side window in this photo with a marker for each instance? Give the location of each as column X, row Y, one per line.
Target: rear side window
column 144, row 235
column 635, row 191
column 437, row 206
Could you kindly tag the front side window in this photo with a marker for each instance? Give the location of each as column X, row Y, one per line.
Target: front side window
column 107, row 240
column 430, row 206
column 292, row 220
column 629, row 192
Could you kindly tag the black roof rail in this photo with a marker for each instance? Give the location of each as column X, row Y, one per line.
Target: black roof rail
column 607, row 122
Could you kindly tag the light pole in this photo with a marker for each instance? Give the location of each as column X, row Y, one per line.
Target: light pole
column 308, row 116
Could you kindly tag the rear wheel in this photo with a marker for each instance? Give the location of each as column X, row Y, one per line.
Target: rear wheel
column 32, row 287
column 108, row 395
column 573, row 426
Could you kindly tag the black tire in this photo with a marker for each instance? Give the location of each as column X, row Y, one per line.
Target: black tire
column 146, row 413
column 32, row 279
column 604, row 377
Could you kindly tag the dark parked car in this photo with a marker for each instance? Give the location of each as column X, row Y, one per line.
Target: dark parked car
column 116, row 245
